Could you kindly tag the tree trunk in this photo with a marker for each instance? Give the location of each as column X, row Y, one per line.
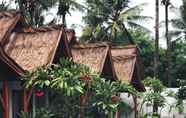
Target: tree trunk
column 156, row 54
column 168, row 54
column 64, row 19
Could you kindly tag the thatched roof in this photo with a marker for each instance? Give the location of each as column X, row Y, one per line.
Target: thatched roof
column 96, row 56
column 8, row 20
column 31, row 47
column 127, row 65
column 6, row 60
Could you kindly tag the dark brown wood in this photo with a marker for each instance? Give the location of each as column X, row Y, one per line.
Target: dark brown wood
column 26, row 99
column 5, row 99
column 135, row 107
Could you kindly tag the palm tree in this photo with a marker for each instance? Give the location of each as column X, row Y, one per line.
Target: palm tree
column 64, row 7
column 4, row 6
column 156, row 56
column 33, row 9
column 179, row 23
column 166, row 3
column 109, row 19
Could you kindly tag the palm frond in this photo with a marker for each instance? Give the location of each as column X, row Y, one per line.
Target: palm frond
column 178, row 23
column 133, row 24
column 175, row 33
column 76, row 6
column 133, row 10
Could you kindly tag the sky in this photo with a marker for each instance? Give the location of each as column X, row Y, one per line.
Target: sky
column 149, row 10
column 75, row 19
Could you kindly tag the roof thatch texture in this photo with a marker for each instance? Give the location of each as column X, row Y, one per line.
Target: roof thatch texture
column 32, row 49
column 8, row 20
column 92, row 55
column 124, row 59
column 127, row 65
column 23, row 47
column 9, row 62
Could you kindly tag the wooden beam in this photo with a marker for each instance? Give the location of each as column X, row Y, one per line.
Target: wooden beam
column 2, row 101
column 5, row 99
column 26, row 99
column 135, row 107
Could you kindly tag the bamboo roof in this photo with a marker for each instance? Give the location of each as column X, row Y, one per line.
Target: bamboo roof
column 8, row 20
column 127, row 65
column 29, row 47
column 96, row 56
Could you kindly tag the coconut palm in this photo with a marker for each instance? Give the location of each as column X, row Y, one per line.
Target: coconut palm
column 64, row 7
column 4, row 6
column 33, row 10
column 156, row 56
column 179, row 23
column 109, row 19
column 167, row 3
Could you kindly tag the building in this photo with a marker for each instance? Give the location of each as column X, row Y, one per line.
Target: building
column 23, row 48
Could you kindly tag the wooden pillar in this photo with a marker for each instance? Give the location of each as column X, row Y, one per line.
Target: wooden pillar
column 26, row 99
column 5, row 99
column 135, row 107
column 117, row 114
column 25, row 102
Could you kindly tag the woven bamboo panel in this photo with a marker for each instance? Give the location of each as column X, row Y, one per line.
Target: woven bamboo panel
column 7, row 19
column 32, row 50
column 124, row 60
column 91, row 56
column 124, row 67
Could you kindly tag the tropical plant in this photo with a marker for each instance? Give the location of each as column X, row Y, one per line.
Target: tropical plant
column 108, row 19
column 179, row 23
column 75, row 89
column 154, row 96
column 4, row 5
column 64, row 7
column 40, row 113
column 180, row 96
column 33, row 10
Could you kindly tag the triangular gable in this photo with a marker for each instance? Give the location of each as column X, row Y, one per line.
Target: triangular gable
column 96, row 56
column 26, row 48
column 11, row 64
column 92, row 55
column 127, row 65
column 34, row 48
column 8, row 20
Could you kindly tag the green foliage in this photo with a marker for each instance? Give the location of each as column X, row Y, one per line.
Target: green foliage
column 67, row 81
column 108, row 19
column 146, row 46
column 179, row 23
column 154, row 97
column 180, row 95
column 33, row 10
column 40, row 113
column 4, row 5
column 64, row 7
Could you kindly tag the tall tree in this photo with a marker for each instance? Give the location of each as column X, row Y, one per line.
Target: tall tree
column 156, row 56
column 109, row 19
column 33, row 10
column 64, row 7
column 166, row 3
column 4, row 6
column 179, row 23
